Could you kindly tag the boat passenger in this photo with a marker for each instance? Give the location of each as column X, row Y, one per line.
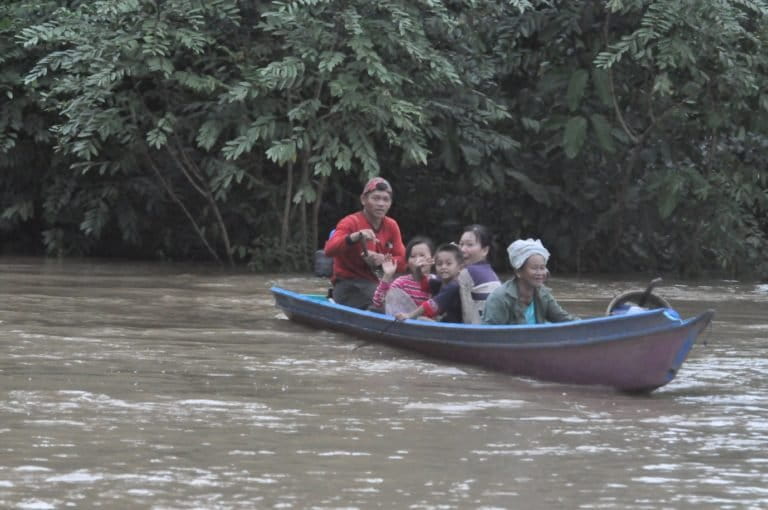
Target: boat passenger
column 524, row 299
column 445, row 304
column 408, row 291
column 477, row 279
column 360, row 244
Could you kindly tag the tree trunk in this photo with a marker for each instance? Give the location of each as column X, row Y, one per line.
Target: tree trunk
column 305, row 242
column 316, row 212
column 286, row 225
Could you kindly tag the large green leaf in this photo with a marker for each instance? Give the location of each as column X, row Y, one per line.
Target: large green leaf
column 576, row 86
column 603, row 131
column 574, row 135
column 602, row 85
column 539, row 193
column 669, row 198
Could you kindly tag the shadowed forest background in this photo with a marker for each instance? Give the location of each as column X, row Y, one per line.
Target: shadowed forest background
column 629, row 135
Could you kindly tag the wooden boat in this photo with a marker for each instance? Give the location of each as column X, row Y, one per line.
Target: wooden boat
column 635, row 352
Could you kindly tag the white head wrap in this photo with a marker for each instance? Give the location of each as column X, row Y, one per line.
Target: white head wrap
column 520, row 250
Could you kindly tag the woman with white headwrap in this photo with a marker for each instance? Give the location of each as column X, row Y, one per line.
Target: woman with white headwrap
column 524, row 299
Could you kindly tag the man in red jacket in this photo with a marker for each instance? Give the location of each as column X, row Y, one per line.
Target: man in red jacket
column 360, row 243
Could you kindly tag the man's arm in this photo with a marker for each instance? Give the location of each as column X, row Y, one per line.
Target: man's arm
column 398, row 248
column 340, row 240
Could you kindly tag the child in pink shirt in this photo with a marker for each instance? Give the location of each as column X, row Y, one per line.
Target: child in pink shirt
column 414, row 285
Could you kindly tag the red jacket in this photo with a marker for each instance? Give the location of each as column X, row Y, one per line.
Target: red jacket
column 347, row 259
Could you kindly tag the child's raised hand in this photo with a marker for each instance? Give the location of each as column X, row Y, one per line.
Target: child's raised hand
column 425, row 264
column 389, row 266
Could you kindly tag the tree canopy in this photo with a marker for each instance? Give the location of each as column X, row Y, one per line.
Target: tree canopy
column 626, row 134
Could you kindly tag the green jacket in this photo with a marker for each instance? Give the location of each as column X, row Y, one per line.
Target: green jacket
column 502, row 306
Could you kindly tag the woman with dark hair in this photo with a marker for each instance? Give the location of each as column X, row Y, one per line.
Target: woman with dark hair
column 478, row 279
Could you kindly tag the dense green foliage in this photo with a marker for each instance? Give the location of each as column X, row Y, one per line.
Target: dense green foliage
column 627, row 134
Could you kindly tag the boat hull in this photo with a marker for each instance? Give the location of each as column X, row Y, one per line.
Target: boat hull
column 632, row 353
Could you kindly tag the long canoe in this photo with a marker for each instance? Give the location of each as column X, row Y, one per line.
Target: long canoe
column 636, row 352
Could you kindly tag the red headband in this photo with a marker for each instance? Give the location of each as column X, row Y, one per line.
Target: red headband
column 377, row 184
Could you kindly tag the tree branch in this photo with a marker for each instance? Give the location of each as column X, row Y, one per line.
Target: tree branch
column 612, row 87
column 181, row 205
column 208, row 194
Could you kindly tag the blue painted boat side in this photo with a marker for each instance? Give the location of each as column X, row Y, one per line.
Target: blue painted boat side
column 637, row 353
column 591, row 330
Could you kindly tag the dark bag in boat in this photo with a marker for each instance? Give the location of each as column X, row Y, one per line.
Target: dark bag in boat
column 323, row 264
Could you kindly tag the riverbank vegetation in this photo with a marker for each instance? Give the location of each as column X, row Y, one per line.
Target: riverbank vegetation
column 629, row 135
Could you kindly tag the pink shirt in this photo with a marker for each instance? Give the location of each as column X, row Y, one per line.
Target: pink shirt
column 417, row 290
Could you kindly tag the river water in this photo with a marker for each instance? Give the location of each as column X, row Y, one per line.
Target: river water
column 125, row 385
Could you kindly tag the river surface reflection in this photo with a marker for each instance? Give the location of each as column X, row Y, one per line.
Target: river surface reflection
column 125, row 385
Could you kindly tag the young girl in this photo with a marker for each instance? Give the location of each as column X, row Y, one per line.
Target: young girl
column 446, row 303
column 410, row 290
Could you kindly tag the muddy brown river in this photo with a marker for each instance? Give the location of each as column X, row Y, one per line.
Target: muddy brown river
column 164, row 386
